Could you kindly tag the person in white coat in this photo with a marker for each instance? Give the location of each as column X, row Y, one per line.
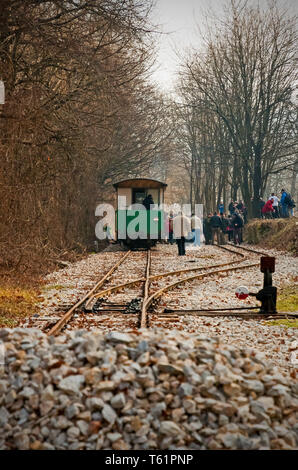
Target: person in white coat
column 197, row 229
column 181, row 229
column 274, row 205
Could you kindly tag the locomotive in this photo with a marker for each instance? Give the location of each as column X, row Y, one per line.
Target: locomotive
column 148, row 224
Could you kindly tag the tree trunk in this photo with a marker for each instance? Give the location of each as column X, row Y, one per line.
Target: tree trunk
column 293, row 181
column 257, row 184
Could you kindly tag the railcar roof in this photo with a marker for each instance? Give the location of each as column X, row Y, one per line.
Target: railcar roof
column 140, row 183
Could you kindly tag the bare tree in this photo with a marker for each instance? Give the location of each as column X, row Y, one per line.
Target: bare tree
column 245, row 77
column 75, row 74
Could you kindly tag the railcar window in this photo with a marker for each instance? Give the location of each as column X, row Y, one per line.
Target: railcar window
column 138, row 195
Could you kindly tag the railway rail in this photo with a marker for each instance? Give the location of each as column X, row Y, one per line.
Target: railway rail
column 146, row 308
column 122, row 286
column 69, row 314
column 93, row 294
column 231, row 312
column 241, row 247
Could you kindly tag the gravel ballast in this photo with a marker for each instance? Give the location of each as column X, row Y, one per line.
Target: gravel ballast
column 141, row 390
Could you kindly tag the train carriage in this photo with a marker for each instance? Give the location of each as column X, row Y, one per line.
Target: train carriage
column 150, row 228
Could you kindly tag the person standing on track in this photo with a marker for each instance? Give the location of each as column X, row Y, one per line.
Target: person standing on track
column 196, row 228
column 216, row 226
column 207, row 229
column 230, row 228
column 237, row 224
column 171, row 234
column 181, row 229
column 224, row 226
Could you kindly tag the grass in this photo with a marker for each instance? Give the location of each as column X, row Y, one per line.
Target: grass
column 287, row 301
column 287, row 323
column 281, row 234
column 17, row 303
column 54, row 286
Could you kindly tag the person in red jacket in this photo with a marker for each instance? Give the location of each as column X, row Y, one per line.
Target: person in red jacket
column 268, row 209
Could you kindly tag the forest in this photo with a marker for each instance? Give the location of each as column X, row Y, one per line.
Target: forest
column 237, row 112
column 81, row 112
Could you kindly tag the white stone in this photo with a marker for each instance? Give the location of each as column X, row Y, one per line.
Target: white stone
column 169, row 428
column 118, row 401
column 72, row 383
column 109, row 414
column 117, row 337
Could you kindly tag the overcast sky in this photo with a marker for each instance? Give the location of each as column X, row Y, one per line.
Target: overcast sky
column 179, row 20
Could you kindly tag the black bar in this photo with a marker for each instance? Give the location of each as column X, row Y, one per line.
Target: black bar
column 151, row 459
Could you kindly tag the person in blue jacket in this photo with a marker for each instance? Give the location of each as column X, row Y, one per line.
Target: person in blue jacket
column 221, row 208
column 284, row 204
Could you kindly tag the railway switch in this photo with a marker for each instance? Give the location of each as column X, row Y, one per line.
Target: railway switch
column 268, row 295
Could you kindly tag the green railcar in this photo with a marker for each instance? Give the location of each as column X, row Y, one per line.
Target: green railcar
column 138, row 227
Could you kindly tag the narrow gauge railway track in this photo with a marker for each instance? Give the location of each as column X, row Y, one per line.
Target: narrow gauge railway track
column 119, row 287
column 150, row 299
column 93, row 294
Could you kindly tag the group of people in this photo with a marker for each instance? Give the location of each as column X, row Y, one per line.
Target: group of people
column 216, row 227
column 220, row 227
column 275, row 207
column 180, row 228
column 237, row 207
